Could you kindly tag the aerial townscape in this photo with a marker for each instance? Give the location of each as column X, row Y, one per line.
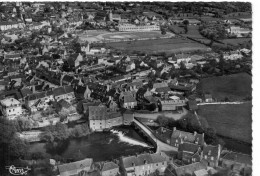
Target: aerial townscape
column 126, row 88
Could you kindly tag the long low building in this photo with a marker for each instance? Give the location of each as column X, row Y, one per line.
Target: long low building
column 131, row 27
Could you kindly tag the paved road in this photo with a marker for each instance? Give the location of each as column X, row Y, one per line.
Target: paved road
column 236, row 102
column 161, row 146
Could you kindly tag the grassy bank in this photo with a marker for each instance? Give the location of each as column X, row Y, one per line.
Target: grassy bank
column 233, row 120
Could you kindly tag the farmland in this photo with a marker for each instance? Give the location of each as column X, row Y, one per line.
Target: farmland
column 230, row 120
column 174, row 45
column 236, row 41
column 235, row 87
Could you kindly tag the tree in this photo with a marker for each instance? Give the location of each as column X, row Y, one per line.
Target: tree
column 11, row 147
column 79, row 107
column 182, row 66
column 25, row 125
column 210, row 136
column 163, row 120
column 151, row 107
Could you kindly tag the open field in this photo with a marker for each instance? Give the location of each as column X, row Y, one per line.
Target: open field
column 233, row 121
column 97, row 36
column 235, row 87
column 193, row 32
column 174, row 45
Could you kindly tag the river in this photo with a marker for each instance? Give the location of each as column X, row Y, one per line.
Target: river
column 100, row 146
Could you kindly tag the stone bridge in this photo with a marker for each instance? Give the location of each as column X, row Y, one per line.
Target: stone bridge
column 160, row 146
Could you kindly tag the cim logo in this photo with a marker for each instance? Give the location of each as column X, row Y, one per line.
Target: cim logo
column 17, row 170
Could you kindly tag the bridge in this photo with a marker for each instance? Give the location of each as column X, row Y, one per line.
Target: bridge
column 160, row 146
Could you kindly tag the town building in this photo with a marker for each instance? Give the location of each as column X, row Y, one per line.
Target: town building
column 64, row 92
column 100, row 118
column 107, row 168
column 178, row 137
column 191, row 169
column 211, row 154
column 11, row 108
column 171, row 105
column 143, row 164
column 74, row 168
column 135, row 28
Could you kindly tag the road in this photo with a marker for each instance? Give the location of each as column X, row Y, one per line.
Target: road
column 236, row 102
column 161, row 146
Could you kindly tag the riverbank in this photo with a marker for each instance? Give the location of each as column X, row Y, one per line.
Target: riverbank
column 100, row 146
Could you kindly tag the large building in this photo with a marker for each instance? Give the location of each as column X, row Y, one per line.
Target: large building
column 100, row 118
column 131, row 27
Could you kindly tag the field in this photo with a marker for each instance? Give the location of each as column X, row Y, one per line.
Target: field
column 230, row 120
column 235, row 87
column 97, row 36
column 236, row 41
column 174, row 45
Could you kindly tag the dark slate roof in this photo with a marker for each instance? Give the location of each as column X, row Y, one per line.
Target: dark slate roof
column 189, row 137
column 62, row 90
column 213, row 150
column 87, row 105
column 25, row 92
column 114, row 115
column 109, row 166
column 64, row 103
column 97, row 112
column 142, row 159
column 67, row 78
column 75, row 165
column 80, row 89
column 129, row 98
column 189, row 169
column 163, row 89
column 189, row 147
column 35, row 96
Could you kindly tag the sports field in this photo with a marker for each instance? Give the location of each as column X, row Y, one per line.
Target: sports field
column 98, row 36
column 230, row 120
column 173, row 45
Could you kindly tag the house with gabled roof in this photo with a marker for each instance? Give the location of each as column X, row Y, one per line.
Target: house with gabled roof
column 143, row 164
column 39, row 100
column 64, row 92
column 108, row 168
column 189, row 153
column 190, row 169
column 211, row 154
column 178, row 137
column 128, row 99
